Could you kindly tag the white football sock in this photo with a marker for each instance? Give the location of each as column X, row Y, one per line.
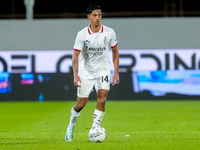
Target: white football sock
column 97, row 117
column 74, row 116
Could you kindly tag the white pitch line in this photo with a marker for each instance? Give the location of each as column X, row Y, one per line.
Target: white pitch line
column 134, row 132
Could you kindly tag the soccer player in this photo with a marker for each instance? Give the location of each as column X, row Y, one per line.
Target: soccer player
column 91, row 66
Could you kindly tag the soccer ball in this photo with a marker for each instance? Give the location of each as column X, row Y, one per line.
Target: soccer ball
column 97, row 134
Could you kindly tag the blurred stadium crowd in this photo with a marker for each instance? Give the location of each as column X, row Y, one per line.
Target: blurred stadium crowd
column 15, row 9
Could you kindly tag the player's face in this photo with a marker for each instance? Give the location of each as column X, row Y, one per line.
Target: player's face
column 95, row 17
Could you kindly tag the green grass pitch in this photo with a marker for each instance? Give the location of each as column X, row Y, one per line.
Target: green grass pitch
column 139, row 125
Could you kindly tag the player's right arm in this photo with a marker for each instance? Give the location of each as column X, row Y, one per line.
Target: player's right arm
column 77, row 79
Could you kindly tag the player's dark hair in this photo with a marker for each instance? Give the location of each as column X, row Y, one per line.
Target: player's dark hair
column 92, row 7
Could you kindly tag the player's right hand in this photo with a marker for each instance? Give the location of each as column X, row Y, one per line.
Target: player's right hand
column 77, row 81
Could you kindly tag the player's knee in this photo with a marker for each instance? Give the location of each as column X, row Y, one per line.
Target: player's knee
column 102, row 100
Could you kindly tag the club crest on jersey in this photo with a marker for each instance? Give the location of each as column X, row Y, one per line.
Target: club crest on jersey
column 105, row 41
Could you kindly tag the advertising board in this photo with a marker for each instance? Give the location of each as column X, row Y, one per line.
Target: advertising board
column 144, row 74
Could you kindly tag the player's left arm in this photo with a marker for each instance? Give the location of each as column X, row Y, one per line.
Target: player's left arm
column 115, row 53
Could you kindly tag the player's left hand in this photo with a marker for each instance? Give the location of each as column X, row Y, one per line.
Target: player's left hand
column 115, row 79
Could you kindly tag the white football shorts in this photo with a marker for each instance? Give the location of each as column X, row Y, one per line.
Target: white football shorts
column 87, row 85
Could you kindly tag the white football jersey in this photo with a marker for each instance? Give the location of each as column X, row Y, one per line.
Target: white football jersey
column 94, row 47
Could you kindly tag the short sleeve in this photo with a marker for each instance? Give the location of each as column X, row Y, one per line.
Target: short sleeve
column 113, row 39
column 79, row 43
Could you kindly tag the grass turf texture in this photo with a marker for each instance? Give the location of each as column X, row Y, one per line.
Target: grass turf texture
column 152, row 125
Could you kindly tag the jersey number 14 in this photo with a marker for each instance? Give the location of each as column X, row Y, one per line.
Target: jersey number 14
column 104, row 78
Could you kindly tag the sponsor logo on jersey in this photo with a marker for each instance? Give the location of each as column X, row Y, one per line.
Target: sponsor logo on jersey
column 96, row 49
